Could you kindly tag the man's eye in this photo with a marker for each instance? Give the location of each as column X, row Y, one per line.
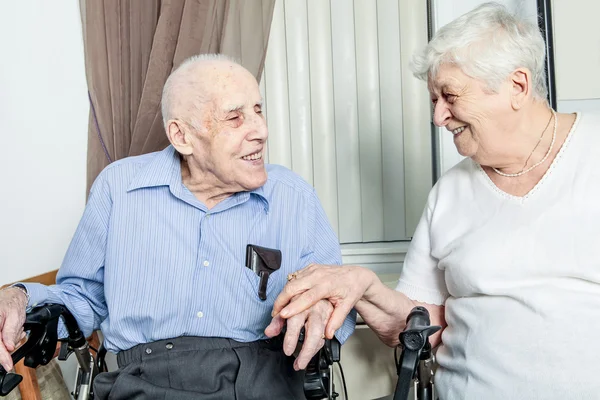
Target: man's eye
column 234, row 118
column 450, row 97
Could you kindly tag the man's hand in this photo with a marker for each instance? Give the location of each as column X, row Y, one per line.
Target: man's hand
column 314, row 320
column 13, row 303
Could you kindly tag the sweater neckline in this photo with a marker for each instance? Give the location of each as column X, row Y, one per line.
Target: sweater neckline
column 544, row 178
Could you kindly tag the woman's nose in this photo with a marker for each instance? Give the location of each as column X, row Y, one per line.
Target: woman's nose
column 441, row 113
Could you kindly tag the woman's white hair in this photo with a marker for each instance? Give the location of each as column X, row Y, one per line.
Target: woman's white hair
column 488, row 44
column 179, row 82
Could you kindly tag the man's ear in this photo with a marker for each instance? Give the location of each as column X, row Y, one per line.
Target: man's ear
column 520, row 87
column 179, row 136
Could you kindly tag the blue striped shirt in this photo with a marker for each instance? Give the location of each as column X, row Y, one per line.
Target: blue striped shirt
column 149, row 261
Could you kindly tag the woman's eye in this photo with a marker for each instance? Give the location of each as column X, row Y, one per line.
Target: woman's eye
column 450, row 97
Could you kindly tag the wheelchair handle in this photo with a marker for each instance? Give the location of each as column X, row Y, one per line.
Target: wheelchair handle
column 418, row 316
column 42, row 325
column 414, row 340
column 418, row 329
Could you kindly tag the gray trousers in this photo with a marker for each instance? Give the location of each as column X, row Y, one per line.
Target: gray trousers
column 189, row 368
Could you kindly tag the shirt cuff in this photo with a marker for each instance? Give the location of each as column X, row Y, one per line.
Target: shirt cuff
column 38, row 294
column 41, row 294
column 420, row 294
column 347, row 327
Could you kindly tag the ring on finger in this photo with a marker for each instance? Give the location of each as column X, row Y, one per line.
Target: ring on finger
column 292, row 276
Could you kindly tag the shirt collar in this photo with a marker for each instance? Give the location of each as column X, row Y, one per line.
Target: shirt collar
column 165, row 170
column 260, row 194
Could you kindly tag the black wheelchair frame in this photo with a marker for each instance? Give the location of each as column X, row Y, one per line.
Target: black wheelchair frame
column 414, row 367
column 39, row 349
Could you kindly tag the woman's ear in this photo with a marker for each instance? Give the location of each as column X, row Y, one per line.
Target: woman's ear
column 520, row 87
column 179, row 137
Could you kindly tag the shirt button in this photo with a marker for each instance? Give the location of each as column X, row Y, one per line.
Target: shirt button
column 206, row 263
column 200, row 314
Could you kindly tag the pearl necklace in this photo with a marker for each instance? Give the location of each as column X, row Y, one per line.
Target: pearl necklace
column 523, row 172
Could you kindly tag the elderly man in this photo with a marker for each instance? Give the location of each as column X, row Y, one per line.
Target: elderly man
column 158, row 259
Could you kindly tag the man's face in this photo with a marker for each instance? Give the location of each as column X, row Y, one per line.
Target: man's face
column 229, row 147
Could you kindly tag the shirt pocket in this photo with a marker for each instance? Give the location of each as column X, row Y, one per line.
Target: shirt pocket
column 274, row 285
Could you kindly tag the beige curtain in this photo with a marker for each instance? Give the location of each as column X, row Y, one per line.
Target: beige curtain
column 131, row 46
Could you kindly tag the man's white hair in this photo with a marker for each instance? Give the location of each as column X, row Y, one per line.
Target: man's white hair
column 488, row 44
column 173, row 87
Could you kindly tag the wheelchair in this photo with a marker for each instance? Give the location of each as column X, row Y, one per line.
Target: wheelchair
column 42, row 341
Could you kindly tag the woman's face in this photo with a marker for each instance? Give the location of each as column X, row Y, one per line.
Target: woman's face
column 471, row 112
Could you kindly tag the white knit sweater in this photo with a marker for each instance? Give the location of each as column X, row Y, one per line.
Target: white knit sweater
column 519, row 276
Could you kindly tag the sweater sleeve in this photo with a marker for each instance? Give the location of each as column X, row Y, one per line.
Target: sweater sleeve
column 421, row 279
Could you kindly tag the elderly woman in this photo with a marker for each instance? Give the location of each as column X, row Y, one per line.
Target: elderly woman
column 506, row 256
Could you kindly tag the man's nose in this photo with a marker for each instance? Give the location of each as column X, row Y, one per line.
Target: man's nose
column 258, row 128
column 441, row 113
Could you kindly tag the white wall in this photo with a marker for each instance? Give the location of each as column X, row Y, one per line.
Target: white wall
column 577, row 49
column 44, row 112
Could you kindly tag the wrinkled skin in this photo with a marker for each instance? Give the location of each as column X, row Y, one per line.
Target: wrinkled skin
column 314, row 320
column 13, row 304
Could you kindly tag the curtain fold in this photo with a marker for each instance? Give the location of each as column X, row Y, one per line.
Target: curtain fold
column 131, row 47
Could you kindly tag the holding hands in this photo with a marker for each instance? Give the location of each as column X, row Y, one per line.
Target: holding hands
column 320, row 296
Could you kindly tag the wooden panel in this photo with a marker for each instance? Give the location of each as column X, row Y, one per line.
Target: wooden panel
column 276, row 79
column 321, row 92
column 29, row 387
column 390, row 83
column 346, row 121
column 296, row 30
column 369, row 119
column 47, row 278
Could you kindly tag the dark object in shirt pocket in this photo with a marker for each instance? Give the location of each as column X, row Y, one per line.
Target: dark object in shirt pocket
column 263, row 261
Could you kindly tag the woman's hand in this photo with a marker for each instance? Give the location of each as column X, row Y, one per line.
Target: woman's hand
column 342, row 286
